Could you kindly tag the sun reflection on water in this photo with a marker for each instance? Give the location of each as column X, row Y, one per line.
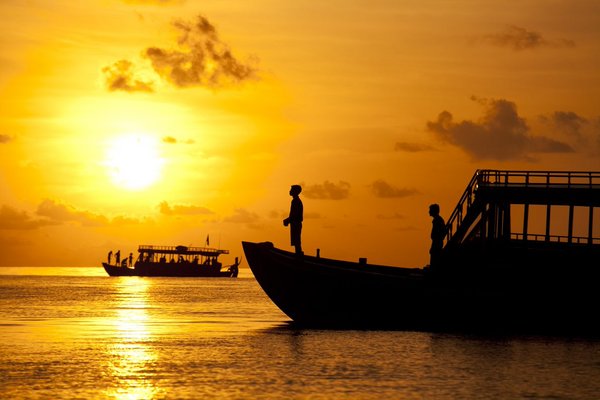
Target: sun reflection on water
column 132, row 357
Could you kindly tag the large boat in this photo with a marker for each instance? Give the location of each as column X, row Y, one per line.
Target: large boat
column 181, row 261
column 495, row 274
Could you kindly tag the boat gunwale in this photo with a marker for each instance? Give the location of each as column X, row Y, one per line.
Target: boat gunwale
column 334, row 264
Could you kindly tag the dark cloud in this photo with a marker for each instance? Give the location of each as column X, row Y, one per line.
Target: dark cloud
column 61, row 213
column 499, row 135
column 121, row 76
column 519, row 38
column 384, row 190
column 584, row 131
column 166, row 209
column 566, row 122
column 201, row 58
column 412, row 147
column 327, row 190
column 542, row 144
column 13, row 219
column 5, row 138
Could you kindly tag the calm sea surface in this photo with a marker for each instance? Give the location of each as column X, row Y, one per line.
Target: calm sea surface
column 77, row 334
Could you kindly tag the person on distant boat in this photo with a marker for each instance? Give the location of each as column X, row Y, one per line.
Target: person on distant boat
column 130, row 259
column 109, row 257
column 438, row 232
column 118, row 257
column 294, row 220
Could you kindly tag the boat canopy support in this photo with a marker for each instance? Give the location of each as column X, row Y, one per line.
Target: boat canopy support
column 492, row 198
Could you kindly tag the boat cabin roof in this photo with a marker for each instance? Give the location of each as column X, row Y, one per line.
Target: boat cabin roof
column 184, row 250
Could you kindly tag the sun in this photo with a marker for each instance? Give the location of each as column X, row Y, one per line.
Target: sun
column 133, row 161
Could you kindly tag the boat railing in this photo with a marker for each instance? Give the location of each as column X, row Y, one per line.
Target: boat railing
column 554, row 238
column 180, row 249
column 468, row 197
column 524, row 179
column 555, row 179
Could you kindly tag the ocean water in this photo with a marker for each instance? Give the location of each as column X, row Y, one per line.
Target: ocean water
column 77, row 334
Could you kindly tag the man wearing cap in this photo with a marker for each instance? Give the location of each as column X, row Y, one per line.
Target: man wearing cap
column 295, row 218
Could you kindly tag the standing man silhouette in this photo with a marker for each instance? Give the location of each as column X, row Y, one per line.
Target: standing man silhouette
column 438, row 232
column 295, row 218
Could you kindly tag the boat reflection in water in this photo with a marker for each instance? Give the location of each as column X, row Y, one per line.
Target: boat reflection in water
column 131, row 356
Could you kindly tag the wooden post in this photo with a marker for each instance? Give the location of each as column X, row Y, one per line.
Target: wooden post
column 570, row 236
column 548, row 207
column 506, row 227
column 590, row 225
column 525, row 221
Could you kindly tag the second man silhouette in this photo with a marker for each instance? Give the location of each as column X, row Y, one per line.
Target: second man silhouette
column 294, row 220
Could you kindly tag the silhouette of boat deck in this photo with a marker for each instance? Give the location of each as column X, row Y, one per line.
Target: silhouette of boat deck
column 508, row 264
column 175, row 261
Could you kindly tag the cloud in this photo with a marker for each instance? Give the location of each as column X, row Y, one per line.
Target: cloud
column 5, row 138
column 384, row 190
column 499, row 135
column 166, row 209
column 566, row 122
column 569, row 124
column 61, row 213
column 412, row 147
column 392, row 216
column 245, row 217
column 154, row 2
column 519, row 38
column 121, row 77
column 242, row 216
column 280, row 214
column 200, row 59
column 120, row 220
column 172, row 140
column 53, row 214
column 13, row 219
column 327, row 191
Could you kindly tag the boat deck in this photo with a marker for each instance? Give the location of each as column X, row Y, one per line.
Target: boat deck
column 486, row 210
column 206, row 251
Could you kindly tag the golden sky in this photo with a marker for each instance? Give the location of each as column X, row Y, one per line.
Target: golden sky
column 162, row 122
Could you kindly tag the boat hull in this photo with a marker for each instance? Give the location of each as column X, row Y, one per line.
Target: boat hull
column 169, row 270
column 317, row 292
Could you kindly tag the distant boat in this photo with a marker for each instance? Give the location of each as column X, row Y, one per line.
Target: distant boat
column 491, row 278
column 178, row 261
